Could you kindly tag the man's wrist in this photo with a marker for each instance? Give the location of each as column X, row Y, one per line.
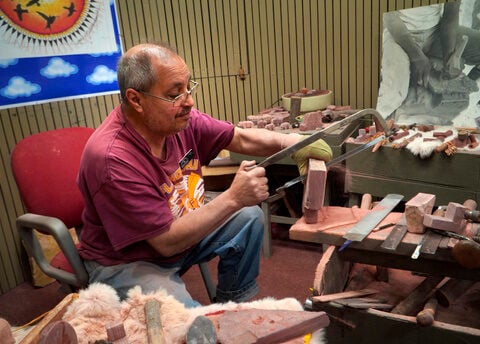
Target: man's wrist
column 290, row 139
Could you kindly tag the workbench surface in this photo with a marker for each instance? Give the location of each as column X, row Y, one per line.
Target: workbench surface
column 330, row 231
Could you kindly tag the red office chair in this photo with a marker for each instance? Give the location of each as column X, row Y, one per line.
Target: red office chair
column 45, row 168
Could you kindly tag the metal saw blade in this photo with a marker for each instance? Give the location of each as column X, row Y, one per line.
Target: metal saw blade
column 321, row 134
column 367, row 223
column 334, row 161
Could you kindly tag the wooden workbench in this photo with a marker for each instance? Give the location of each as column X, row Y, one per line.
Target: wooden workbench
column 340, row 271
column 368, row 251
column 451, row 178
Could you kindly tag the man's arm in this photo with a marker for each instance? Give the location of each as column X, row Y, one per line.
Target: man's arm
column 420, row 64
column 260, row 142
column 249, row 187
column 448, row 32
column 398, row 30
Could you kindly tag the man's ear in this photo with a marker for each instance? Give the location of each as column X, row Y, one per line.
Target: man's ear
column 133, row 99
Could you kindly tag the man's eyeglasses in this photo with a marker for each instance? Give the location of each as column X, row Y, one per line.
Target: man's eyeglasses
column 178, row 100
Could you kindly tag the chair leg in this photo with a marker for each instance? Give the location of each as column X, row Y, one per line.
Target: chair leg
column 207, row 279
column 67, row 288
column 267, row 228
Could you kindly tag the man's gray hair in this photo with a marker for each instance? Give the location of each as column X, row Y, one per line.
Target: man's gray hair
column 135, row 70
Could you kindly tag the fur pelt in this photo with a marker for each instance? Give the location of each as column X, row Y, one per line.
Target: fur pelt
column 421, row 148
column 99, row 305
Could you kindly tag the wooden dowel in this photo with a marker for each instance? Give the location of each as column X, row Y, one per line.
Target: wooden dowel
column 426, row 316
column 154, row 323
column 412, row 304
column 452, row 290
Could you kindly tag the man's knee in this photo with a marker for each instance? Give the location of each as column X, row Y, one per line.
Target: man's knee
column 254, row 215
column 247, row 224
column 254, row 212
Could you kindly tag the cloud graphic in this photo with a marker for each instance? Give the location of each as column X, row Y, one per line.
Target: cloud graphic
column 58, row 67
column 107, row 53
column 19, row 87
column 102, row 75
column 4, row 63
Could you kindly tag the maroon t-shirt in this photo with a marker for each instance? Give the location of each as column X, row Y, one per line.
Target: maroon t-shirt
column 130, row 195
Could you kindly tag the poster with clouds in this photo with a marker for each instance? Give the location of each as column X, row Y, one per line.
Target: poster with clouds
column 55, row 49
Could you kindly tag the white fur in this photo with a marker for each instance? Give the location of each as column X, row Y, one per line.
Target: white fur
column 423, row 149
column 99, row 305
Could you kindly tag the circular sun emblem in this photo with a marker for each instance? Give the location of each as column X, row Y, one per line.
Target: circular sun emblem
column 48, row 21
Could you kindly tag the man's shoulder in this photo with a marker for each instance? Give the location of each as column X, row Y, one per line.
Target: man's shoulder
column 108, row 132
column 204, row 120
column 109, row 139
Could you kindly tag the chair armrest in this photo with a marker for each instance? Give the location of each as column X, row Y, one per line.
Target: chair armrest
column 27, row 223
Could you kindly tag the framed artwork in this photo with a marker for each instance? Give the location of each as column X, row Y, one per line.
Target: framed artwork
column 430, row 71
column 55, row 50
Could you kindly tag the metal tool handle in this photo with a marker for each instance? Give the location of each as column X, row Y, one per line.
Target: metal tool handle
column 472, row 215
column 416, row 253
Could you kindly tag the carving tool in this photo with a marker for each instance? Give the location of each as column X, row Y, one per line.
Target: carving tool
column 396, row 235
column 321, row 133
column 367, row 223
column 431, row 243
column 379, row 228
column 334, row 161
column 416, row 253
column 450, row 234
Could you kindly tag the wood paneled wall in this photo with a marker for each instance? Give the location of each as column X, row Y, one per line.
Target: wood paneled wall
column 281, row 45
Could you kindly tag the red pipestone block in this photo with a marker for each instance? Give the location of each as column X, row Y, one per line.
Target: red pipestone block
column 314, row 192
column 416, row 209
column 453, row 221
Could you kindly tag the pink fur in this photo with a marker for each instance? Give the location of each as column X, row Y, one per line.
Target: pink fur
column 95, row 307
column 99, row 305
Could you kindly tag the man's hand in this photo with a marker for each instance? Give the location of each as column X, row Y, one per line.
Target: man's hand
column 317, row 150
column 250, row 185
column 420, row 70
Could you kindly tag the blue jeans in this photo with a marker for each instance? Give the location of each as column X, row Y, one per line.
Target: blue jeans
column 237, row 243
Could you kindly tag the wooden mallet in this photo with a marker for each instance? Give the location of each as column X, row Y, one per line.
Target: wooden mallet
column 426, row 317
